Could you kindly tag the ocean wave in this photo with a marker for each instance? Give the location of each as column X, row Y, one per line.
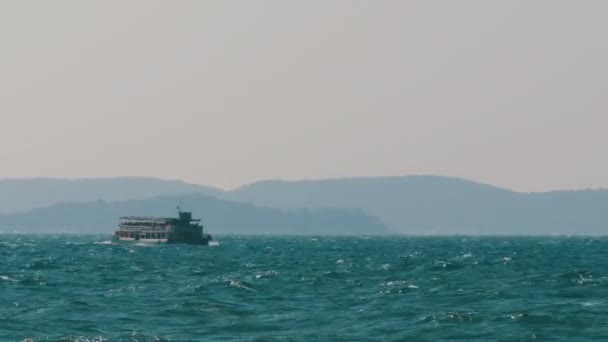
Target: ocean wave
column 66, row 288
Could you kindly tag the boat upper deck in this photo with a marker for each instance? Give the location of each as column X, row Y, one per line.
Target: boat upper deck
column 152, row 219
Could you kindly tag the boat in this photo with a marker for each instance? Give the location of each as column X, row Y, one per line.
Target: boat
column 148, row 229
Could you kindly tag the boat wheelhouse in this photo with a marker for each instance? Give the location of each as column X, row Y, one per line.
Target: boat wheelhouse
column 183, row 229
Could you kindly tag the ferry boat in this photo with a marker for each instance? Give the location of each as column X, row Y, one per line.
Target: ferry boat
column 183, row 229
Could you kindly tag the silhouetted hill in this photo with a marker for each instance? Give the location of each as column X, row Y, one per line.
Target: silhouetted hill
column 409, row 204
column 25, row 194
column 219, row 216
column 441, row 205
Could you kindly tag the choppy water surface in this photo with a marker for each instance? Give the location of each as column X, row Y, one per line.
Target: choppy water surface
column 71, row 288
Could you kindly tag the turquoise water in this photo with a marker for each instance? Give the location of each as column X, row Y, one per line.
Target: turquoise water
column 81, row 288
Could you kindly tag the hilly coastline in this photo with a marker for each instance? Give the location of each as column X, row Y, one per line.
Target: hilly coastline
column 18, row 195
column 442, row 205
column 219, row 217
column 419, row 205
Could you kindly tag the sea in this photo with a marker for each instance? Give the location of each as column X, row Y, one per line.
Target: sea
column 304, row 288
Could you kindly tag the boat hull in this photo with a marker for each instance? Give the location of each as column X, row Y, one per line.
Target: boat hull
column 204, row 240
column 125, row 239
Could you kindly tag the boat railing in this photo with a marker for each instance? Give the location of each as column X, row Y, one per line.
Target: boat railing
column 146, row 228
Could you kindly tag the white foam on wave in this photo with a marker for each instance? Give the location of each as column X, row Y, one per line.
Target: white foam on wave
column 68, row 243
column 240, row 285
column 590, row 303
column 109, row 242
column 7, row 278
column 145, row 244
column 266, row 274
column 214, row 243
column 516, row 316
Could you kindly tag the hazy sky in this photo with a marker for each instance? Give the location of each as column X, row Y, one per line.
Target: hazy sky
column 512, row 93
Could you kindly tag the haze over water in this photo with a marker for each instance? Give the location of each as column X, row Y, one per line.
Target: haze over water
column 82, row 288
column 347, row 95
column 510, row 93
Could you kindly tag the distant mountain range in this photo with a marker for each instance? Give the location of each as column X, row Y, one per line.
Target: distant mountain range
column 442, row 205
column 26, row 194
column 408, row 204
column 219, row 217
